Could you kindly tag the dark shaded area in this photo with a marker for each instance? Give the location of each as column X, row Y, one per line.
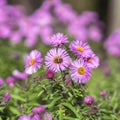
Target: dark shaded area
column 102, row 9
column 30, row 5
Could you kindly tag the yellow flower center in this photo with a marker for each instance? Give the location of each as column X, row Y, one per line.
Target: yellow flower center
column 81, row 70
column 89, row 60
column 80, row 49
column 32, row 62
column 57, row 59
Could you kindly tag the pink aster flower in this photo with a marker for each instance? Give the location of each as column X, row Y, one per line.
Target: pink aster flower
column 112, row 44
column 57, row 60
column 36, row 117
column 1, row 81
column 58, row 39
column 3, row 2
column 79, row 48
column 10, row 81
column 33, row 62
column 24, row 117
column 65, row 13
column 89, row 100
column 92, row 60
column 38, row 110
column 95, row 34
column 7, row 97
column 79, row 71
column 104, row 93
column 19, row 75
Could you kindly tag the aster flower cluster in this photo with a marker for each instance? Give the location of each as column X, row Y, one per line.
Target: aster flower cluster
column 38, row 113
column 73, row 62
column 57, row 59
column 15, row 25
column 112, row 44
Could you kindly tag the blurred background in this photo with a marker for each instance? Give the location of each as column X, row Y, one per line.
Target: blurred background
column 108, row 10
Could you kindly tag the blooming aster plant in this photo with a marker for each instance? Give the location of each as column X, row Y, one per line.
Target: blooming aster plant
column 59, row 85
column 58, row 60
column 57, row 91
column 63, row 71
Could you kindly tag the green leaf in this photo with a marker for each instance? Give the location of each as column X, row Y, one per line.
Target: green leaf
column 40, row 93
column 2, row 108
column 70, row 107
column 70, row 118
column 17, row 97
column 15, row 110
column 54, row 101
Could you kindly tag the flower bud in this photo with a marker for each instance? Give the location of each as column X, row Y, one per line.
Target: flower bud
column 89, row 100
column 50, row 74
column 10, row 81
column 7, row 97
column 38, row 110
column 103, row 93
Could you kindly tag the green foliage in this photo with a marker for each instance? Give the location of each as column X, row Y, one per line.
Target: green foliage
column 63, row 102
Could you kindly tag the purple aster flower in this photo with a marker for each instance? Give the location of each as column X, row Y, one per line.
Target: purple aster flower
column 38, row 110
column 43, row 18
column 92, row 60
column 3, row 2
column 65, row 13
column 58, row 39
column 50, row 74
column 33, row 62
column 15, row 37
column 36, row 117
column 78, row 31
column 104, row 93
column 45, row 34
column 1, row 82
column 89, row 100
column 79, row 71
column 3, row 15
column 4, row 31
column 112, row 44
column 10, row 81
column 57, row 59
column 95, row 34
column 7, row 97
column 89, row 17
column 79, row 48
column 24, row 117
column 20, row 75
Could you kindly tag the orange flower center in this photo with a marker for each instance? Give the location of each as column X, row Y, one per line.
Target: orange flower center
column 81, row 70
column 58, row 59
column 80, row 49
column 32, row 62
column 89, row 60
